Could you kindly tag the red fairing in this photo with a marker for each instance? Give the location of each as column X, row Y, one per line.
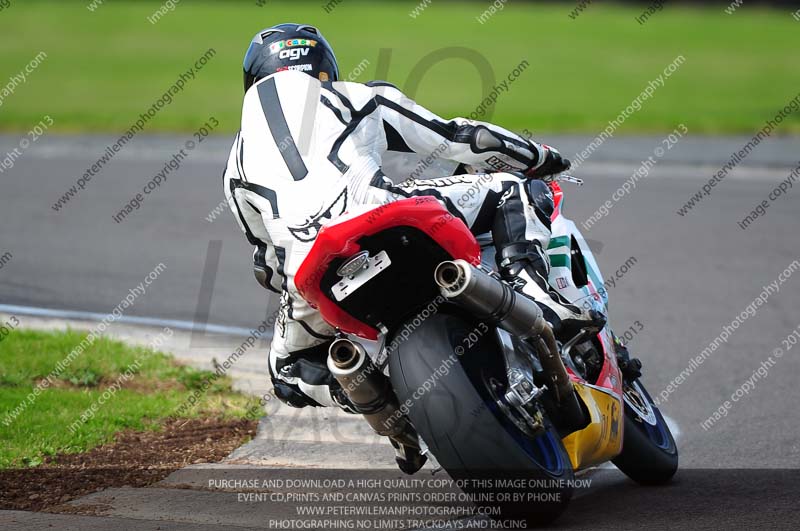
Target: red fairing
column 340, row 240
column 558, row 197
column 610, row 377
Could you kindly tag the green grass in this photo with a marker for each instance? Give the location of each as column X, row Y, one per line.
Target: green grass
column 158, row 388
column 105, row 67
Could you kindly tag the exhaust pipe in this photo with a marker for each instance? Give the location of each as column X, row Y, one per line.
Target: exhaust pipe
column 489, row 298
column 369, row 391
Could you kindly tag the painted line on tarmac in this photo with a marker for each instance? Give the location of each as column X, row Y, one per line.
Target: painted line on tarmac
column 673, row 426
column 125, row 319
column 151, row 148
column 680, row 172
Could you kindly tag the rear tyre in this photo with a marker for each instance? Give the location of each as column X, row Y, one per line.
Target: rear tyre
column 649, row 453
column 456, row 414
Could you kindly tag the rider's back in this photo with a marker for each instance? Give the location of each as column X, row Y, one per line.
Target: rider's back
column 294, row 139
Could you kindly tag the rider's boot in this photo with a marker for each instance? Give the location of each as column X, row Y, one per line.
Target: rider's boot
column 408, row 459
column 526, row 263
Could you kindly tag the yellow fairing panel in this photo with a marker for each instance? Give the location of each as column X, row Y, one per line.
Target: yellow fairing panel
column 601, row 440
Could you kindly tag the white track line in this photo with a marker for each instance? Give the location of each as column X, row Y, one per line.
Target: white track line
column 145, row 321
column 673, row 427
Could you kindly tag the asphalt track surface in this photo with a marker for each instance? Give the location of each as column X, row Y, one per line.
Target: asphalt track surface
column 692, row 275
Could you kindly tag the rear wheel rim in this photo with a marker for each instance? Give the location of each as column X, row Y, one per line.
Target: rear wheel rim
column 542, row 448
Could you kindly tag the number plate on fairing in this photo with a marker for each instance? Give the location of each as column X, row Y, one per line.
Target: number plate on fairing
column 345, row 287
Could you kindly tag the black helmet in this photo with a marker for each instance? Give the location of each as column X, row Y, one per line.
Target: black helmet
column 289, row 47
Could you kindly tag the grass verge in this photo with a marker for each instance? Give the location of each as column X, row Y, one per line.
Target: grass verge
column 106, row 66
column 109, row 388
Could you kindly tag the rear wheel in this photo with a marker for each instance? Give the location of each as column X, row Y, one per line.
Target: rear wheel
column 649, row 453
column 455, row 403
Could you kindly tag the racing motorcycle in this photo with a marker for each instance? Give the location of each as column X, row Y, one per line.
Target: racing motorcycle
column 468, row 370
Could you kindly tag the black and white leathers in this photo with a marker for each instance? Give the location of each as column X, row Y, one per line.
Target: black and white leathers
column 308, row 151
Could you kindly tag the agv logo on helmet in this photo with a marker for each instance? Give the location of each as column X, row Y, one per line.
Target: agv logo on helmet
column 293, row 54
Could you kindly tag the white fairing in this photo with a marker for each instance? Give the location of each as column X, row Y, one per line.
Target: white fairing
column 562, row 275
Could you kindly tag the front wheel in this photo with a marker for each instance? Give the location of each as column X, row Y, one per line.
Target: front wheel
column 649, row 453
column 452, row 403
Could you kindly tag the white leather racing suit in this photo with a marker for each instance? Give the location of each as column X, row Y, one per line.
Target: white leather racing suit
column 308, row 151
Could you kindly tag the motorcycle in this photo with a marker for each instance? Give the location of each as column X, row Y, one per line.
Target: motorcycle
column 468, row 370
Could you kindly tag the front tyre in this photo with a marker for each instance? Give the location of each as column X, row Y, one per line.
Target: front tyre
column 649, row 453
column 456, row 414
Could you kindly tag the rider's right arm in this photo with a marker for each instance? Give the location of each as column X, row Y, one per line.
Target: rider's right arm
column 265, row 262
column 478, row 144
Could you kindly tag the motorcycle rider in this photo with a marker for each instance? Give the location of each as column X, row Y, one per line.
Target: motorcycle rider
column 312, row 147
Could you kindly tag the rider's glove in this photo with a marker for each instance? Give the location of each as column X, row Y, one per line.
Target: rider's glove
column 553, row 164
